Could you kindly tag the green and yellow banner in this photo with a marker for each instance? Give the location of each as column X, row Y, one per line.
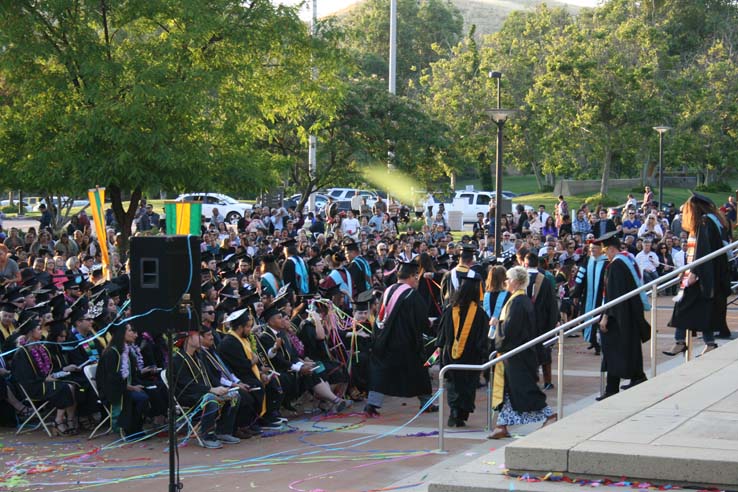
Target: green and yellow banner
column 97, row 201
column 183, row 217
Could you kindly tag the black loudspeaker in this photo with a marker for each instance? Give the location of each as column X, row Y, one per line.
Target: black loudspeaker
column 163, row 269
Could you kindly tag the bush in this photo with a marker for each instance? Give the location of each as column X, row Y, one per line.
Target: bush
column 718, row 187
column 546, row 188
column 9, row 210
column 416, row 225
column 600, row 199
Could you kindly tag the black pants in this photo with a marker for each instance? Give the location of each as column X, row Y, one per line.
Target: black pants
column 613, row 383
column 462, row 388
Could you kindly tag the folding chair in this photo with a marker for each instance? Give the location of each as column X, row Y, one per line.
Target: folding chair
column 36, row 413
column 91, row 374
column 192, row 429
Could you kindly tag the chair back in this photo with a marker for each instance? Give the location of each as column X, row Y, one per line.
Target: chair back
column 90, row 373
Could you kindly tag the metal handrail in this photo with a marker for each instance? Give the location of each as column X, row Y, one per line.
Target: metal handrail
column 569, row 327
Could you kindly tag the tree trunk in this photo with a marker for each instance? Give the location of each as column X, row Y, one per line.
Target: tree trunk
column 124, row 217
column 537, row 173
column 606, row 170
column 453, row 180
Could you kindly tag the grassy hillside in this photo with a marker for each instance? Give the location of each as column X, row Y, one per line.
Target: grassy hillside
column 488, row 15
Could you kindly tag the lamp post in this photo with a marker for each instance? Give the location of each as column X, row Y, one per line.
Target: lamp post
column 661, row 130
column 499, row 116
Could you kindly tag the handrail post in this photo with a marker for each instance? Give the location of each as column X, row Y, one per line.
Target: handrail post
column 560, row 377
column 654, row 320
column 690, row 346
column 602, row 382
column 441, row 406
column 489, row 401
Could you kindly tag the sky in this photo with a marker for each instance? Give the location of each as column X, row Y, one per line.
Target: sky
column 326, row 7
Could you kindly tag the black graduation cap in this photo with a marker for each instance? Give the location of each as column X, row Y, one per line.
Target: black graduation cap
column 250, row 298
column 331, row 291
column 41, row 308
column 25, row 315
column 28, row 325
column 78, row 314
column 702, row 198
column 314, row 260
column 363, row 300
column 74, row 280
column 608, row 239
column 238, row 318
column 99, row 291
column 8, row 307
column 28, row 276
column 351, row 246
column 119, row 286
column 13, row 295
column 408, row 268
column 206, row 256
column 287, row 242
column 468, row 250
column 58, row 306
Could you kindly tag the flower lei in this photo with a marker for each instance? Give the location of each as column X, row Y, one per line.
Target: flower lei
column 296, row 343
column 40, row 357
column 125, row 363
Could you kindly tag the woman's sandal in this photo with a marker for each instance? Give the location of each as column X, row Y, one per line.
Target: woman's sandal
column 59, row 429
column 72, row 427
column 499, row 433
column 553, row 418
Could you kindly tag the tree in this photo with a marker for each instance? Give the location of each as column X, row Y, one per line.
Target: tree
column 138, row 95
column 426, row 29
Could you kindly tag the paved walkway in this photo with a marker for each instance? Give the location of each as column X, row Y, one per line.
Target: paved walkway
column 346, row 453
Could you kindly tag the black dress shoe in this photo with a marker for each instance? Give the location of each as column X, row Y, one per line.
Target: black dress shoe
column 633, row 382
column 605, row 396
column 451, row 422
column 431, row 409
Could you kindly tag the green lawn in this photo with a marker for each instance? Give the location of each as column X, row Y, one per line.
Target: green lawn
column 527, row 184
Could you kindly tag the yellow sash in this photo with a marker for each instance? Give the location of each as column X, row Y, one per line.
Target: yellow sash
column 246, row 344
column 498, row 383
column 457, row 349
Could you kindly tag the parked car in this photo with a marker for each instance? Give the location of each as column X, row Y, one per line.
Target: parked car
column 230, row 208
column 473, row 202
column 343, row 194
column 320, row 201
column 65, row 202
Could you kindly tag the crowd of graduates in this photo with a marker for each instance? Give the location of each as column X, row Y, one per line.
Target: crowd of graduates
column 307, row 314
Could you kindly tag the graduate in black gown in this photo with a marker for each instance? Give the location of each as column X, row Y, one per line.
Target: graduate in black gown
column 462, row 338
column 193, row 389
column 220, row 374
column 621, row 326
column 32, row 367
column 295, row 375
column 358, row 341
column 397, row 358
column 120, row 382
column 240, row 356
column 542, row 294
column 702, row 305
column 516, row 394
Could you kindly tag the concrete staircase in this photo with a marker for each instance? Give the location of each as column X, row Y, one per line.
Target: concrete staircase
column 680, row 428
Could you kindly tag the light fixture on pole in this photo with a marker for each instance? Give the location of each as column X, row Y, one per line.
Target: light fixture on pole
column 661, row 130
column 499, row 116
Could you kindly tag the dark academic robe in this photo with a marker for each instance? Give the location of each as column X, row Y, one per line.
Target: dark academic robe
column 27, row 373
column 703, row 304
column 521, row 371
column 360, row 360
column 318, row 351
column 113, row 389
column 292, row 383
column 397, row 352
column 361, row 275
column 589, row 289
column 621, row 344
column 462, row 385
column 289, row 275
column 215, row 368
column 546, row 307
column 430, row 290
column 191, row 381
column 232, row 353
